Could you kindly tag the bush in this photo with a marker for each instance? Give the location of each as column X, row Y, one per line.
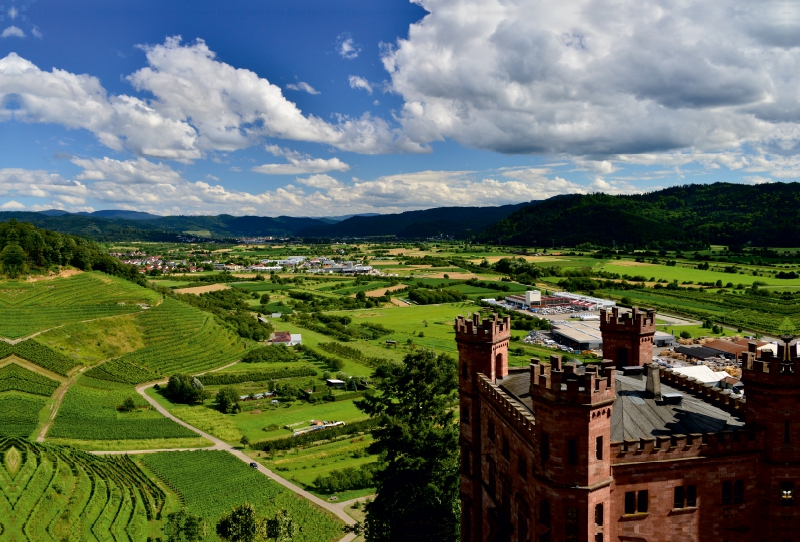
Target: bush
column 686, row 335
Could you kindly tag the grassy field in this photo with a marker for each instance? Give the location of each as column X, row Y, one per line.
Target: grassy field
column 685, row 274
column 92, row 342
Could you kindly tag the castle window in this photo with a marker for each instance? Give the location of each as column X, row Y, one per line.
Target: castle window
column 544, row 513
column 465, row 415
column 572, row 451
column 464, row 371
column 636, row 502
column 738, row 491
column 691, row 496
column 680, row 497
column 490, row 431
column 598, row 451
column 727, row 492
column 598, row 537
column 522, row 467
column 506, row 449
column 571, row 523
column 787, row 493
column 598, row 514
column 545, row 447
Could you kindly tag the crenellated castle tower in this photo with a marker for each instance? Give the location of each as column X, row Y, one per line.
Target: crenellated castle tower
column 628, row 337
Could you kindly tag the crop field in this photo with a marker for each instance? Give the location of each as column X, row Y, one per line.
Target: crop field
column 40, row 355
column 210, row 483
column 686, row 274
column 305, row 464
column 16, row 378
column 54, row 493
column 178, row 338
column 89, row 412
column 19, row 414
column 27, row 307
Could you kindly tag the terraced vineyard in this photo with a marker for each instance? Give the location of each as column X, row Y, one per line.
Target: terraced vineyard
column 40, row 355
column 28, row 307
column 178, row 338
column 16, row 378
column 89, row 412
column 54, row 493
column 212, row 482
column 19, row 414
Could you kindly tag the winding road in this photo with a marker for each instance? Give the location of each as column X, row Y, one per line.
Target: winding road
column 334, row 509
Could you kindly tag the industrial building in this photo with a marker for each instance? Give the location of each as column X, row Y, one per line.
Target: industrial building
column 585, row 335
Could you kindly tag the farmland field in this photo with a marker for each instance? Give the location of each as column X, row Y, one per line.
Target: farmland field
column 55, row 493
column 27, row 307
column 89, row 412
column 19, row 413
column 210, row 483
column 16, row 378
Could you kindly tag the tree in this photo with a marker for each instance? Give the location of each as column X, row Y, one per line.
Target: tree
column 241, row 525
column 264, row 299
column 185, row 389
column 14, row 260
column 244, row 441
column 228, row 400
column 184, row 527
column 282, row 528
column 128, row 405
column 417, row 477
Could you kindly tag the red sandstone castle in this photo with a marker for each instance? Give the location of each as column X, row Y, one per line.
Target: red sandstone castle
column 624, row 450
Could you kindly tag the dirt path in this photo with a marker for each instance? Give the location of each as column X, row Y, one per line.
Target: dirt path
column 60, row 393
column 221, row 445
column 32, row 367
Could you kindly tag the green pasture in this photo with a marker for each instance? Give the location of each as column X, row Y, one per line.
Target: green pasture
column 297, row 412
column 684, row 274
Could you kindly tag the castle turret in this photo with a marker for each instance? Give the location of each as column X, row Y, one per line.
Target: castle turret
column 572, row 404
column 482, row 349
column 628, row 337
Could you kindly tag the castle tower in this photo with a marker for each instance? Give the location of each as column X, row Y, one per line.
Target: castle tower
column 482, row 348
column 628, row 338
column 572, row 404
column 772, row 388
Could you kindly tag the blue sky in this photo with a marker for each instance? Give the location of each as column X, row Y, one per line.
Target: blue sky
column 315, row 108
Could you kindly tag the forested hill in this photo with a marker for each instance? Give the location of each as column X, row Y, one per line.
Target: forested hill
column 458, row 222
column 25, row 248
column 764, row 215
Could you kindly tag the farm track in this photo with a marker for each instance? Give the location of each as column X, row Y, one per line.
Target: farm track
column 32, row 335
column 60, row 393
column 335, row 509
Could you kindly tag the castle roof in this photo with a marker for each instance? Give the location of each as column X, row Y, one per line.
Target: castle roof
column 637, row 414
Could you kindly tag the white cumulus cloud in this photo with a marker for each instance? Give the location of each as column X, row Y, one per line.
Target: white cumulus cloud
column 346, row 47
column 360, row 82
column 299, row 163
column 599, row 79
column 12, row 206
column 13, row 32
column 303, row 86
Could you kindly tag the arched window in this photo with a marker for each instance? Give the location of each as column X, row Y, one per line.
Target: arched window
column 498, row 363
column 598, row 514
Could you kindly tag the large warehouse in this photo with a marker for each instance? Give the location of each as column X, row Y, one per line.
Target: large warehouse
column 585, row 335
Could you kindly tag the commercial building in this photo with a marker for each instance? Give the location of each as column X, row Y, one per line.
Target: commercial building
column 585, row 334
column 624, row 450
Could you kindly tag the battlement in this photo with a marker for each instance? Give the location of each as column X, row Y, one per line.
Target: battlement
column 572, row 383
column 720, row 398
column 636, row 321
column 488, row 330
column 779, row 371
column 514, row 413
column 673, row 447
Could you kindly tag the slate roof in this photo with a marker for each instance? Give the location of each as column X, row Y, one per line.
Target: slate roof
column 636, row 415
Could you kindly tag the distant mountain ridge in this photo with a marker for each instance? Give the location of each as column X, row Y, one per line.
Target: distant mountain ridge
column 719, row 213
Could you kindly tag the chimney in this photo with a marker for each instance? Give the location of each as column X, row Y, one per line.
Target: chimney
column 653, row 384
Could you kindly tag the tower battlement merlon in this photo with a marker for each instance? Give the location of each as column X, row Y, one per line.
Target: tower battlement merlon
column 570, row 383
column 643, row 321
column 781, row 370
column 475, row 328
